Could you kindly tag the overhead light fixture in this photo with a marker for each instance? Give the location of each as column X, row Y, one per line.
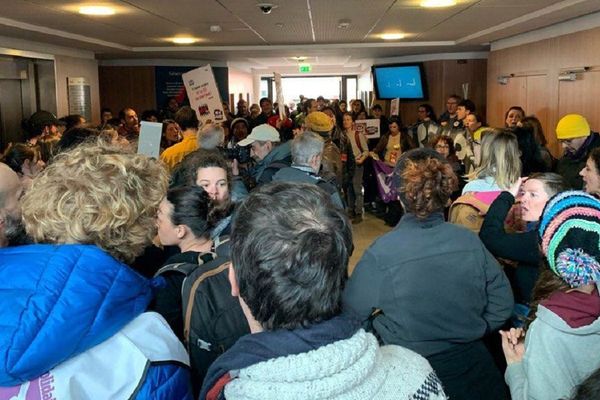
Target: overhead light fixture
column 215, row 28
column 96, row 10
column 437, row 3
column 343, row 24
column 299, row 58
column 183, row 40
column 392, row 36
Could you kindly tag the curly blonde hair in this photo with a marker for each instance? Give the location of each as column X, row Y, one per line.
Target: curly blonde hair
column 97, row 194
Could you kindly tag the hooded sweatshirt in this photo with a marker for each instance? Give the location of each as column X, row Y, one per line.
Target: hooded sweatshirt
column 562, row 348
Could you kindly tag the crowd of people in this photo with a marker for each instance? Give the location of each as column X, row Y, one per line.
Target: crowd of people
column 220, row 270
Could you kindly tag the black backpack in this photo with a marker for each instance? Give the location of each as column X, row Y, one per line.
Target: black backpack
column 212, row 319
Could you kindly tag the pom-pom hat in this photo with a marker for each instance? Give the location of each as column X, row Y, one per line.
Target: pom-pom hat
column 569, row 233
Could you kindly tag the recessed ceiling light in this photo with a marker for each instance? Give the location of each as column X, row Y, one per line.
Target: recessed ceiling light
column 438, row 3
column 183, row 40
column 96, row 10
column 392, row 36
column 299, row 58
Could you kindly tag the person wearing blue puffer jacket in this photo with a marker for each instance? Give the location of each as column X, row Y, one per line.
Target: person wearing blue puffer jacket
column 72, row 312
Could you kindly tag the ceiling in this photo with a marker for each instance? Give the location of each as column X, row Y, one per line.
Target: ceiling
column 295, row 28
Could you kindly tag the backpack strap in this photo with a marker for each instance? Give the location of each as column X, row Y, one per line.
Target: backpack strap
column 182, row 268
column 222, row 246
column 215, row 267
column 471, row 200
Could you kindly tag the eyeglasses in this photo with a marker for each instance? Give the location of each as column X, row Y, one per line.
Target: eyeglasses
column 442, row 146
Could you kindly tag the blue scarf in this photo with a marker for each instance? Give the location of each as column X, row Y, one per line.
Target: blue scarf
column 255, row 348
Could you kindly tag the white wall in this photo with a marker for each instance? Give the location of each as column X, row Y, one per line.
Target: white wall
column 365, row 83
column 241, row 82
column 66, row 67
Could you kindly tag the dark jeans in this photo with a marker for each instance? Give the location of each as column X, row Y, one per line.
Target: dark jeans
column 468, row 372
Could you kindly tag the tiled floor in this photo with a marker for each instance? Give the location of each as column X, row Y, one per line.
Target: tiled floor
column 364, row 234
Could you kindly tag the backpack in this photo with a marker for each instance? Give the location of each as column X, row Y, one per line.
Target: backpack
column 470, row 209
column 271, row 170
column 212, row 319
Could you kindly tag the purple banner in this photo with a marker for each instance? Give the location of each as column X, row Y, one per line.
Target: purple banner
column 383, row 174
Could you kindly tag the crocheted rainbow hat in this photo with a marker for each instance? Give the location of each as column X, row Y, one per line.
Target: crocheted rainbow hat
column 569, row 232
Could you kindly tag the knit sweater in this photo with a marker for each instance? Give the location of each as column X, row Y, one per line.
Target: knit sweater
column 355, row 368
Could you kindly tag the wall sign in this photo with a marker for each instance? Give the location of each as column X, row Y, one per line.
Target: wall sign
column 79, row 97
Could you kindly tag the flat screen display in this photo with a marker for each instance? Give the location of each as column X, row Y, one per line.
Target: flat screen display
column 404, row 81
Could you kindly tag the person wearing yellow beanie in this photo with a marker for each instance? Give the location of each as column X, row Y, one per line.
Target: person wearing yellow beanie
column 577, row 140
column 322, row 124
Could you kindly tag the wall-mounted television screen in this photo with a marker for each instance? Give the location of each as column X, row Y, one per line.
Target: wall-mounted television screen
column 404, row 81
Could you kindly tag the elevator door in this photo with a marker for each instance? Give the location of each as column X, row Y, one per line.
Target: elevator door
column 11, row 111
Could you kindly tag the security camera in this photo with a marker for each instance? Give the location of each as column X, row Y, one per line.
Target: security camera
column 266, row 8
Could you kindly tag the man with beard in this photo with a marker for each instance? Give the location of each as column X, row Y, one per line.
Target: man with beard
column 11, row 228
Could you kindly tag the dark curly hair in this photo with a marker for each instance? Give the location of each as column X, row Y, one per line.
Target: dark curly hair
column 425, row 181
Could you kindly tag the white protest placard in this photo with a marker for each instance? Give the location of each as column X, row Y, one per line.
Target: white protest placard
column 149, row 141
column 368, row 127
column 279, row 97
column 203, row 93
column 395, row 107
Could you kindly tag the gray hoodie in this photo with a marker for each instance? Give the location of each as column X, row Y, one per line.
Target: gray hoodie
column 557, row 358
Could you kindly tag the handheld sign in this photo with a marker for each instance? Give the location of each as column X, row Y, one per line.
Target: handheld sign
column 204, row 96
column 368, row 127
column 149, row 141
column 279, row 92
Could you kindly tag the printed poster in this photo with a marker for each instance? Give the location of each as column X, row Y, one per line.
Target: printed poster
column 204, row 96
column 368, row 127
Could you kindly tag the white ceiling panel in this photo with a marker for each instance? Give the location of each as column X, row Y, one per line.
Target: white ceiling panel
column 294, row 28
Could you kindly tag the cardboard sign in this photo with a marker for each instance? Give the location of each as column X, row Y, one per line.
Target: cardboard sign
column 279, row 97
column 368, row 127
column 204, row 95
column 149, row 141
column 395, row 107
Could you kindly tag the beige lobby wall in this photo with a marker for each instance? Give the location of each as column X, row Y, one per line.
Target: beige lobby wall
column 534, row 69
column 76, row 67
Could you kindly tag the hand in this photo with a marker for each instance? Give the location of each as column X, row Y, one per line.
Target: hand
column 31, row 169
column 514, row 189
column 512, row 345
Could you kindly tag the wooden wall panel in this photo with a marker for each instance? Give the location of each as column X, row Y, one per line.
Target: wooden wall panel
column 445, row 77
column 127, row 87
column 538, row 105
column 548, row 98
column 582, row 97
column 514, row 93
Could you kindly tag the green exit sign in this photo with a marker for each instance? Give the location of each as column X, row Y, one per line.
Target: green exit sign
column 304, row 68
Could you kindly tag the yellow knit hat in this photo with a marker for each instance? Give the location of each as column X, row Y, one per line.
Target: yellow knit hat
column 318, row 122
column 572, row 126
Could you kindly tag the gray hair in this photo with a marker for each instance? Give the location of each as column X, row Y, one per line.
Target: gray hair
column 210, row 137
column 305, row 146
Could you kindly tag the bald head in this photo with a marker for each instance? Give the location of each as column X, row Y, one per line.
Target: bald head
column 10, row 209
